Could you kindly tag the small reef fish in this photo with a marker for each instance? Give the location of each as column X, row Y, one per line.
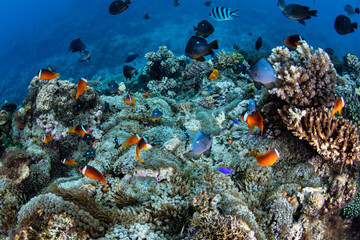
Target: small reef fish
column 252, row 106
column 117, row 7
column 262, row 73
column 46, row 74
column 93, row 173
column 208, row 3
column 225, row 170
column 198, row 47
column 228, row 139
column 175, row 3
column 239, row 68
column 258, row 43
column 200, row 144
column 134, row 139
column 81, row 87
column 236, row 121
column 156, row 115
column 147, row 16
column 131, row 57
column 113, row 87
column 129, row 100
column 214, row 74
column 129, row 71
column 87, row 137
column 117, row 145
column 46, row 138
column 297, row 12
column 84, row 56
column 223, row 14
column 89, row 153
column 142, row 144
column 204, row 28
column 146, row 95
column 343, row 25
column 77, row 45
column 293, row 40
column 339, row 104
column 253, row 119
column 79, row 106
column 68, row 161
column 80, row 129
column 349, row 10
column 268, row 158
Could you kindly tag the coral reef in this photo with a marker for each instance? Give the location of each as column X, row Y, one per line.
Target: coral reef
column 226, row 60
column 14, row 164
column 309, row 76
column 195, row 72
column 352, row 210
column 335, row 139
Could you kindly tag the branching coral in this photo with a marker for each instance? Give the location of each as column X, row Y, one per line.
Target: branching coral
column 195, row 72
column 227, row 60
column 309, row 76
column 334, row 139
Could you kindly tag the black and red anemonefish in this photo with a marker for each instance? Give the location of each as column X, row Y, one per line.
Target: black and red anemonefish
column 46, row 74
column 80, row 129
column 46, row 138
column 134, row 139
column 142, row 144
column 81, row 87
column 146, row 95
column 93, row 173
column 339, row 104
column 129, row 100
column 68, row 161
column 293, row 40
column 253, row 119
column 266, row 159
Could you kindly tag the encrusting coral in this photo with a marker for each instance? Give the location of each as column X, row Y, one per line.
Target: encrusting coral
column 309, row 76
column 334, row 139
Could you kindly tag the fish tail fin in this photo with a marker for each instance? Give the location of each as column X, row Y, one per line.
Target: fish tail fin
column 57, row 75
column 189, row 155
column 355, row 25
column 333, row 112
column 105, row 187
column 214, row 45
column 251, row 127
column 313, row 13
column 257, row 85
column 138, row 157
column 207, row 152
column 233, row 13
column 339, row 112
column 77, row 95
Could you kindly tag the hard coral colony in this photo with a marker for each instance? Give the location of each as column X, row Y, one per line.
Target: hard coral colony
column 206, row 175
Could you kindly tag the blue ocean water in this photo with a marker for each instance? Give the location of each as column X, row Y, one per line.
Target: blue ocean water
column 37, row 33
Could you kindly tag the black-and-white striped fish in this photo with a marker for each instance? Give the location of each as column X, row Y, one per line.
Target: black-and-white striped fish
column 223, row 14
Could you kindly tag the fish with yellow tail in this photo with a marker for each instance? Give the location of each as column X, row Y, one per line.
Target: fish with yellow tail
column 253, row 119
column 134, row 139
column 68, row 161
column 81, row 87
column 46, row 138
column 93, row 173
column 267, row 159
column 339, row 104
column 142, row 144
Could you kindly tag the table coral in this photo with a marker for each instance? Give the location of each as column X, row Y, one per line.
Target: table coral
column 335, row 139
column 309, row 76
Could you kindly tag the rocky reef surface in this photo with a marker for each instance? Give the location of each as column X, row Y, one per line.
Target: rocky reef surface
column 170, row 196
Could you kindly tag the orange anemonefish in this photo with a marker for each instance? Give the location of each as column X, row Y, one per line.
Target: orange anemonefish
column 142, row 144
column 214, row 74
column 132, row 140
column 253, row 119
column 293, row 40
column 81, row 87
column 339, row 104
column 46, row 138
column 93, row 173
column 68, row 161
column 268, row 158
column 129, row 100
column 146, row 95
column 46, row 74
column 80, row 129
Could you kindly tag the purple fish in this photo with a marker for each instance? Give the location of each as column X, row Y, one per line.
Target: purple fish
column 225, row 170
column 235, row 121
column 200, row 144
column 262, row 72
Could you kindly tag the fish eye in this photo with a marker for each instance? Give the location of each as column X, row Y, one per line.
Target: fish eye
column 197, row 42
